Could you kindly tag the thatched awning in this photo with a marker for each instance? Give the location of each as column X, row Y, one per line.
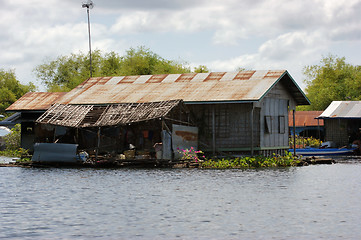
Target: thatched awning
column 80, row 116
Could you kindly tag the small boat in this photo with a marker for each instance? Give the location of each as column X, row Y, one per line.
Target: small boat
column 323, row 151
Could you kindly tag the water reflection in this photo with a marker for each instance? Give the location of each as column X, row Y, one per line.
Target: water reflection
column 303, row 203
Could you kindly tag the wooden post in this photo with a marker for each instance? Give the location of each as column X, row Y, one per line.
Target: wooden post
column 214, row 130
column 98, row 144
column 294, row 132
column 54, row 138
column 318, row 129
column 252, row 134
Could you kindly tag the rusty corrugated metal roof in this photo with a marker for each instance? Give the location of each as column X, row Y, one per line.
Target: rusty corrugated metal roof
column 191, row 87
column 305, row 118
column 35, row 101
column 342, row 109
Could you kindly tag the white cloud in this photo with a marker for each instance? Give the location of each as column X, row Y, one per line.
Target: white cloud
column 228, row 33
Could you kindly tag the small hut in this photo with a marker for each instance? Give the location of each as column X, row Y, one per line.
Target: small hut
column 342, row 122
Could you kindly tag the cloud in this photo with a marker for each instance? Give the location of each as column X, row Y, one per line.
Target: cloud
column 144, row 5
column 254, row 34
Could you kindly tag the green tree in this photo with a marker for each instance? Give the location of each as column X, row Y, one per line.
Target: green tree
column 11, row 89
column 332, row 80
column 201, row 69
column 66, row 72
column 142, row 61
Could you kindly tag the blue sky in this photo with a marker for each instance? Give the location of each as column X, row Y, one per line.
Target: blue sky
column 224, row 35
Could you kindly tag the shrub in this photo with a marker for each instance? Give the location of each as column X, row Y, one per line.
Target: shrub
column 305, row 142
column 12, row 140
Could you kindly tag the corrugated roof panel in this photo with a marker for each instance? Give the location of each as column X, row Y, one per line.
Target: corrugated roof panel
column 355, row 110
column 171, row 78
column 186, row 77
column 191, row 87
column 200, row 77
column 259, row 74
column 214, row 76
column 104, row 80
column 305, row 118
column 129, row 79
column 114, row 80
column 245, row 75
column 343, row 109
column 143, row 79
column 273, row 74
column 156, row 78
column 229, row 76
column 35, row 101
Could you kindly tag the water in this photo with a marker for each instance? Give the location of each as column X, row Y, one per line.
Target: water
column 313, row 202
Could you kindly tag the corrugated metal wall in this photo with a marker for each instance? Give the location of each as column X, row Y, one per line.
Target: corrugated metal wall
column 232, row 125
column 336, row 131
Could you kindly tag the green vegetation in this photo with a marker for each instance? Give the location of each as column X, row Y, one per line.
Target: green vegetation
column 332, row 80
column 12, row 142
column 252, row 162
column 66, row 72
column 11, row 89
column 302, row 142
column 201, row 69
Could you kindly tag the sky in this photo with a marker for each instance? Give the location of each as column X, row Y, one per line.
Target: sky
column 224, row 35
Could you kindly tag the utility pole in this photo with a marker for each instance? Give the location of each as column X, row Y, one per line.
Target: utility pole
column 89, row 5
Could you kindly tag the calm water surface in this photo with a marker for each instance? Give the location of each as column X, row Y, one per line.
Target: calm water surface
column 313, row 202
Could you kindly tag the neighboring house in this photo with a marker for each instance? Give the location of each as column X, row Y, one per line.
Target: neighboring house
column 28, row 108
column 342, row 121
column 306, row 124
column 236, row 112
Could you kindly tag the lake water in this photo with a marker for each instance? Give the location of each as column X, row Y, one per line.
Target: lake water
column 312, row 202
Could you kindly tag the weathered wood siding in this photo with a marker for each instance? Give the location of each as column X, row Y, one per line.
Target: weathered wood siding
column 274, row 123
column 274, row 118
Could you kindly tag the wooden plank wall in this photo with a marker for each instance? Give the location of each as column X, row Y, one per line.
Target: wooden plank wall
column 275, row 107
column 274, row 133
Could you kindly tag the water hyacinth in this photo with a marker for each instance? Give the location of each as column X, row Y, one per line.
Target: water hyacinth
column 287, row 160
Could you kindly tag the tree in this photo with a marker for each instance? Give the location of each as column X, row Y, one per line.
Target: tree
column 11, row 89
column 332, row 80
column 201, row 69
column 66, row 72
column 142, row 61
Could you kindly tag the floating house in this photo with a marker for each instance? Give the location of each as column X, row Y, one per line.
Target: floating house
column 342, row 121
column 227, row 112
